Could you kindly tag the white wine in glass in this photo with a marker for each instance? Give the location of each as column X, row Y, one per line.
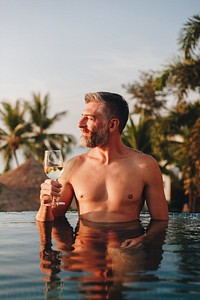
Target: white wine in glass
column 53, row 167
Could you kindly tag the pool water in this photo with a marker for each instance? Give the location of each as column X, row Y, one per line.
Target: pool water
column 98, row 261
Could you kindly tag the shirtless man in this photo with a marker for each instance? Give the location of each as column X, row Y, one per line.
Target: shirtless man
column 111, row 181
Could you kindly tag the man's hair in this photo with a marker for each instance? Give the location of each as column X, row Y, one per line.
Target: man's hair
column 115, row 106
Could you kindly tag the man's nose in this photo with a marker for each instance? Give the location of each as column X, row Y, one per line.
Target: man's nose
column 82, row 123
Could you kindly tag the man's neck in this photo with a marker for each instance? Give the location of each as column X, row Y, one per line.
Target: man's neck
column 109, row 152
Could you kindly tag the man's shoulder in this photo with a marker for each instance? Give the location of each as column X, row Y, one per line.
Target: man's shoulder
column 143, row 158
column 72, row 165
column 75, row 160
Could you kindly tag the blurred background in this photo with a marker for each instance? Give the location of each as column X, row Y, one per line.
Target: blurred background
column 53, row 52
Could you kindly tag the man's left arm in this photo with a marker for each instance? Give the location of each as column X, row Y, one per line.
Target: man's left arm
column 154, row 191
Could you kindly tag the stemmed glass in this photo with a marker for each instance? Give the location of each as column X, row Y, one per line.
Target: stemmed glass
column 53, row 167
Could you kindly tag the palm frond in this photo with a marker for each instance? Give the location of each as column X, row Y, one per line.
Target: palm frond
column 189, row 36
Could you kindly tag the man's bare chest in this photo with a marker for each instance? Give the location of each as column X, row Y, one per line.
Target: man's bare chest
column 104, row 184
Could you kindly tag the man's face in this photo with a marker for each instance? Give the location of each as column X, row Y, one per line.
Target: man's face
column 94, row 126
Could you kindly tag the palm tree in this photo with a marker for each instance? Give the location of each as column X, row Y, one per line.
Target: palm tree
column 138, row 136
column 189, row 37
column 41, row 140
column 183, row 73
column 149, row 100
column 177, row 142
column 181, row 77
column 192, row 172
column 16, row 132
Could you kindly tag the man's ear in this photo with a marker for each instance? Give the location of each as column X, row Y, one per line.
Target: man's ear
column 114, row 124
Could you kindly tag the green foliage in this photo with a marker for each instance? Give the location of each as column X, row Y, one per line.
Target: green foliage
column 41, row 140
column 30, row 137
column 192, row 171
column 16, row 131
column 138, row 136
column 177, row 139
column 147, row 96
column 180, row 77
column 183, row 73
column 189, row 37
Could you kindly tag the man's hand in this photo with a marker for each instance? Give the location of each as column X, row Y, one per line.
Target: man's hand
column 49, row 189
column 133, row 243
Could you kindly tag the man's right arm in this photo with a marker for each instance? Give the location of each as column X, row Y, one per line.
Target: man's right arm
column 63, row 191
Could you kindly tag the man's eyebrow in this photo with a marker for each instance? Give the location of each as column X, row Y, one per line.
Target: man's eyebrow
column 88, row 115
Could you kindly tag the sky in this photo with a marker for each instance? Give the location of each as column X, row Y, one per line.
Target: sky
column 68, row 48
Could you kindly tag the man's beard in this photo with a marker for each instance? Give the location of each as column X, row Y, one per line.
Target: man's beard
column 96, row 139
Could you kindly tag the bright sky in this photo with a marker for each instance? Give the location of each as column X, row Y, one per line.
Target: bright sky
column 68, row 48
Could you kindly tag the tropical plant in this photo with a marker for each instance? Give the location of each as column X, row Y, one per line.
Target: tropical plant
column 148, row 99
column 177, row 143
column 189, row 37
column 31, row 137
column 192, row 172
column 183, row 73
column 15, row 133
column 41, row 139
column 138, row 136
column 181, row 77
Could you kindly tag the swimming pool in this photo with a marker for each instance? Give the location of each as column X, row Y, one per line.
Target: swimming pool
column 41, row 261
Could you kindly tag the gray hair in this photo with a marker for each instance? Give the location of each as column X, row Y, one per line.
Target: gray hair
column 115, row 106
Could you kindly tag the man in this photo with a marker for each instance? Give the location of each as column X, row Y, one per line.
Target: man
column 111, row 181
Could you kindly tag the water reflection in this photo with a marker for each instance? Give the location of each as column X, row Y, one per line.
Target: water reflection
column 103, row 259
column 50, row 259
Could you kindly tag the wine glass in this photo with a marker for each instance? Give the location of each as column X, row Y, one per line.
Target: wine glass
column 53, row 167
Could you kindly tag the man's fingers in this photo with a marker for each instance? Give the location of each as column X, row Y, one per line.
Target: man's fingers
column 50, row 188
